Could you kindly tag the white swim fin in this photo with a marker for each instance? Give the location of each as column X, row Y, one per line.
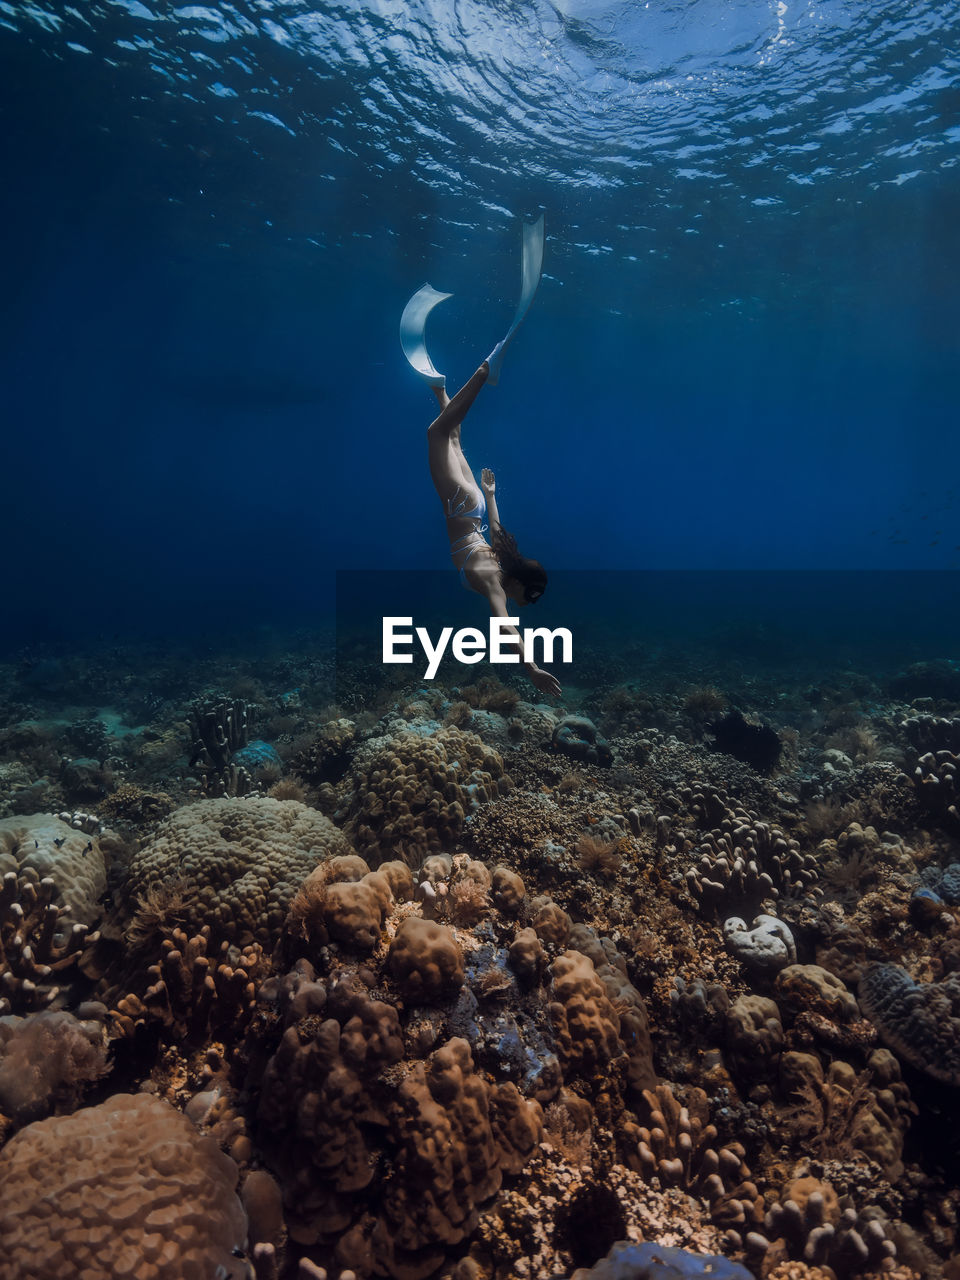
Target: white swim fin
column 530, row 270
column 413, row 324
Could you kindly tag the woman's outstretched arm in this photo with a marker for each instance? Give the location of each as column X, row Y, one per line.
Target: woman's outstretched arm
column 542, row 680
column 488, row 483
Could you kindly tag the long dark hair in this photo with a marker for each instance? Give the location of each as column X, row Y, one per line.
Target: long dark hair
column 531, row 574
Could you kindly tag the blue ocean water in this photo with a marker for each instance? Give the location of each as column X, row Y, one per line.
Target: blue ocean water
column 743, row 355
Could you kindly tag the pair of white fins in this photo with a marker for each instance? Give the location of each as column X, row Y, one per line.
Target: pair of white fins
column 413, row 322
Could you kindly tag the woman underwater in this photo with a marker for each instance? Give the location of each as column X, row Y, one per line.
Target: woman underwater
column 495, row 569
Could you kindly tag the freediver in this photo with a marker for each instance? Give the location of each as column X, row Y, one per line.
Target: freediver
column 495, row 570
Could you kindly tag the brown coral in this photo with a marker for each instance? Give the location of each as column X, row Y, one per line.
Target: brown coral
column 425, row 961
column 123, row 1189
column 240, row 862
column 411, row 794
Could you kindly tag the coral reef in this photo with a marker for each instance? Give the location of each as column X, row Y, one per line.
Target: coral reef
column 410, row 794
column 578, row 738
column 238, row 862
column 43, row 847
column 473, row 994
column 125, row 1188
column 918, row 1021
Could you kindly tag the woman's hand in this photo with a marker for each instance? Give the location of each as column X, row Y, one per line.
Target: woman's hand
column 488, row 481
column 546, row 683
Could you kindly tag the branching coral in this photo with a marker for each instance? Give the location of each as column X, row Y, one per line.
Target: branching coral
column 39, row 947
column 680, row 1147
column 746, row 861
column 196, row 990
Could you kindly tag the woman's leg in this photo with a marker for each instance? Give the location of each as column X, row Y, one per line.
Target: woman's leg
column 448, row 466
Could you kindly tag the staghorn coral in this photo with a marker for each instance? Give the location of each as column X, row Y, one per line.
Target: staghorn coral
column 240, row 862
column 410, row 794
column 123, row 1189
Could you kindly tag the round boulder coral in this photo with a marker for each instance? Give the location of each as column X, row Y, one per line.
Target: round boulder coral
column 43, row 846
column 124, row 1189
column 411, row 794
column 919, row 1021
column 425, row 960
column 236, row 863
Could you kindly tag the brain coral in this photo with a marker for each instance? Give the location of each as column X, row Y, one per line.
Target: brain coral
column 124, row 1189
column 237, row 862
column 411, row 794
column 41, row 846
column 919, row 1021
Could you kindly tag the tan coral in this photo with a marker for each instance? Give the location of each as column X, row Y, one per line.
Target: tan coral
column 411, row 794
column 586, row 1027
column 425, row 960
column 527, row 957
column 121, row 1190
column 43, row 846
column 550, row 922
column 240, row 862
column 754, row 1036
column 508, row 891
column 456, row 1137
column 679, row 1146
column 195, row 990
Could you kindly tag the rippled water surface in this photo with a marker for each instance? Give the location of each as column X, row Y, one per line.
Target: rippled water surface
column 753, row 98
